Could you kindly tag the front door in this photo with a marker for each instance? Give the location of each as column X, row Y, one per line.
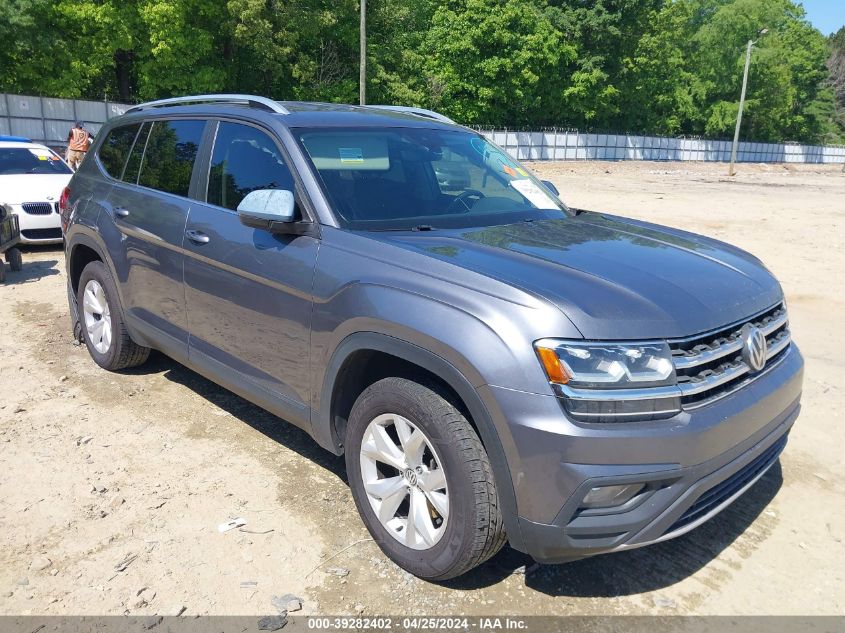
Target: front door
column 248, row 291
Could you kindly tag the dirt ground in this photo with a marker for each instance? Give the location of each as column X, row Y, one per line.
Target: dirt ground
column 113, row 485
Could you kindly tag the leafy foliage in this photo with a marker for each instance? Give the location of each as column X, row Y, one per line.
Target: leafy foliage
column 658, row 66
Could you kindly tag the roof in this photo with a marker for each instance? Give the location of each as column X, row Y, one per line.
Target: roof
column 309, row 114
column 21, row 144
column 298, row 113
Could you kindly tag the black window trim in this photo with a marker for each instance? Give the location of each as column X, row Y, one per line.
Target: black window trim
column 143, row 153
column 301, row 196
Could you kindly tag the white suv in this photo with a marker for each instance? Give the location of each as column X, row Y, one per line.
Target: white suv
column 32, row 179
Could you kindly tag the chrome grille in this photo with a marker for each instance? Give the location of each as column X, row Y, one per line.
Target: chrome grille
column 710, row 365
column 37, row 208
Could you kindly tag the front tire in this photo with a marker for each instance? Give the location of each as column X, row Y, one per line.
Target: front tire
column 101, row 317
column 421, row 480
column 15, row 259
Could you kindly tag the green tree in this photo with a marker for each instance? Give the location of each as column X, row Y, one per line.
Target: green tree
column 658, row 88
column 657, row 66
column 604, row 33
column 786, row 90
column 836, row 67
column 496, row 62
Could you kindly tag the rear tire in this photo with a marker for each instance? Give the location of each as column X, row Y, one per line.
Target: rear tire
column 458, row 522
column 101, row 317
column 15, row 259
column 2, row 271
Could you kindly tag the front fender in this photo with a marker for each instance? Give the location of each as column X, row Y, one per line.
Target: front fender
column 494, row 442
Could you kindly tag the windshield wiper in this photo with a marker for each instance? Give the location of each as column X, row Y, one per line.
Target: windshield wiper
column 418, row 227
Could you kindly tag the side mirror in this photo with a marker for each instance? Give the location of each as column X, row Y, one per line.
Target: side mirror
column 264, row 206
column 551, row 187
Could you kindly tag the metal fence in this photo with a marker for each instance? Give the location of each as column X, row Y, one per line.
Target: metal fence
column 554, row 144
column 48, row 120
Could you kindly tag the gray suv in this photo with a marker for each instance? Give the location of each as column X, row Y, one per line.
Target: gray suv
column 495, row 365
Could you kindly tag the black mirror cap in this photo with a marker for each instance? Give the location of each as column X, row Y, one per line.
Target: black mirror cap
column 281, row 228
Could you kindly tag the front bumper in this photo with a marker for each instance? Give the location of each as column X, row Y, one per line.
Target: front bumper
column 693, row 465
column 39, row 229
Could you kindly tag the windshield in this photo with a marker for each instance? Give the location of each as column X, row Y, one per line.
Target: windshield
column 30, row 160
column 406, row 178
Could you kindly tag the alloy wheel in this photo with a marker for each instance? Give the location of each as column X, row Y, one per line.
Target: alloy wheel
column 404, row 481
column 97, row 316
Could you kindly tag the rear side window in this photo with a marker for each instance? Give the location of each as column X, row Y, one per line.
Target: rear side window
column 169, row 157
column 244, row 159
column 115, row 148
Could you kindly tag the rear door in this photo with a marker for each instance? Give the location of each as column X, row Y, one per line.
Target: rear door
column 248, row 291
column 149, row 208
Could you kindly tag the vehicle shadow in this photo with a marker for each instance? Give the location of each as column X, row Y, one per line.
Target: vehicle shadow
column 635, row 571
column 273, row 427
column 32, row 271
column 619, row 574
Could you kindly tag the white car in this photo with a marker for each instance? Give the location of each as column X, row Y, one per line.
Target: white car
column 32, row 179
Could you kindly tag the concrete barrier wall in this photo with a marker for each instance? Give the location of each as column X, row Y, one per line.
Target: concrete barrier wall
column 48, row 120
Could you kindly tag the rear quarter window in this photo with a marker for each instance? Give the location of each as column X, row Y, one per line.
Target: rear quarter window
column 169, row 156
column 116, row 147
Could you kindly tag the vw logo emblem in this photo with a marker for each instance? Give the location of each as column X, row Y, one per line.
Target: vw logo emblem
column 754, row 347
column 410, row 476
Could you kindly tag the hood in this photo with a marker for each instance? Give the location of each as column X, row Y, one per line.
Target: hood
column 613, row 278
column 32, row 187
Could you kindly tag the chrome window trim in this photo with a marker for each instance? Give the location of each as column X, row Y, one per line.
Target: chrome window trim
column 644, row 393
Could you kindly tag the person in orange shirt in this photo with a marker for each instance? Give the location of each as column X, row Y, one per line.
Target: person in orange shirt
column 78, row 142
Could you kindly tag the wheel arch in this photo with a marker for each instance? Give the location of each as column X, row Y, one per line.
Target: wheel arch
column 81, row 248
column 81, row 253
column 364, row 357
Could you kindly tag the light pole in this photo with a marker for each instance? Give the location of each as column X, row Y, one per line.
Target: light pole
column 362, row 76
column 751, row 43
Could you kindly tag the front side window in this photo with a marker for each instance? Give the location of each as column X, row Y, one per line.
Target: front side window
column 244, row 159
column 115, row 148
column 30, row 160
column 169, row 155
column 405, row 178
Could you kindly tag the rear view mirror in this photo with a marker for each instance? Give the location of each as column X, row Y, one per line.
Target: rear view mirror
column 551, row 187
column 267, row 205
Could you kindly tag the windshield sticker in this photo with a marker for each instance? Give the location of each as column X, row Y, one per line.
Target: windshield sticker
column 351, row 154
column 510, row 171
column 42, row 154
column 533, row 194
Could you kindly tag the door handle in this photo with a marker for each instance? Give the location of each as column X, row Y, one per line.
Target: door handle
column 121, row 212
column 197, row 237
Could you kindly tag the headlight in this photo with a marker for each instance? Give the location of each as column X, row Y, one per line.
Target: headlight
column 607, row 365
column 603, row 382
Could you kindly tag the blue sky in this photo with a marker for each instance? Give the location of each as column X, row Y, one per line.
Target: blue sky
column 828, row 16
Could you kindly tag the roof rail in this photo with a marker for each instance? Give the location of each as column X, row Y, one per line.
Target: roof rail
column 428, row 114
column 250, row 100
